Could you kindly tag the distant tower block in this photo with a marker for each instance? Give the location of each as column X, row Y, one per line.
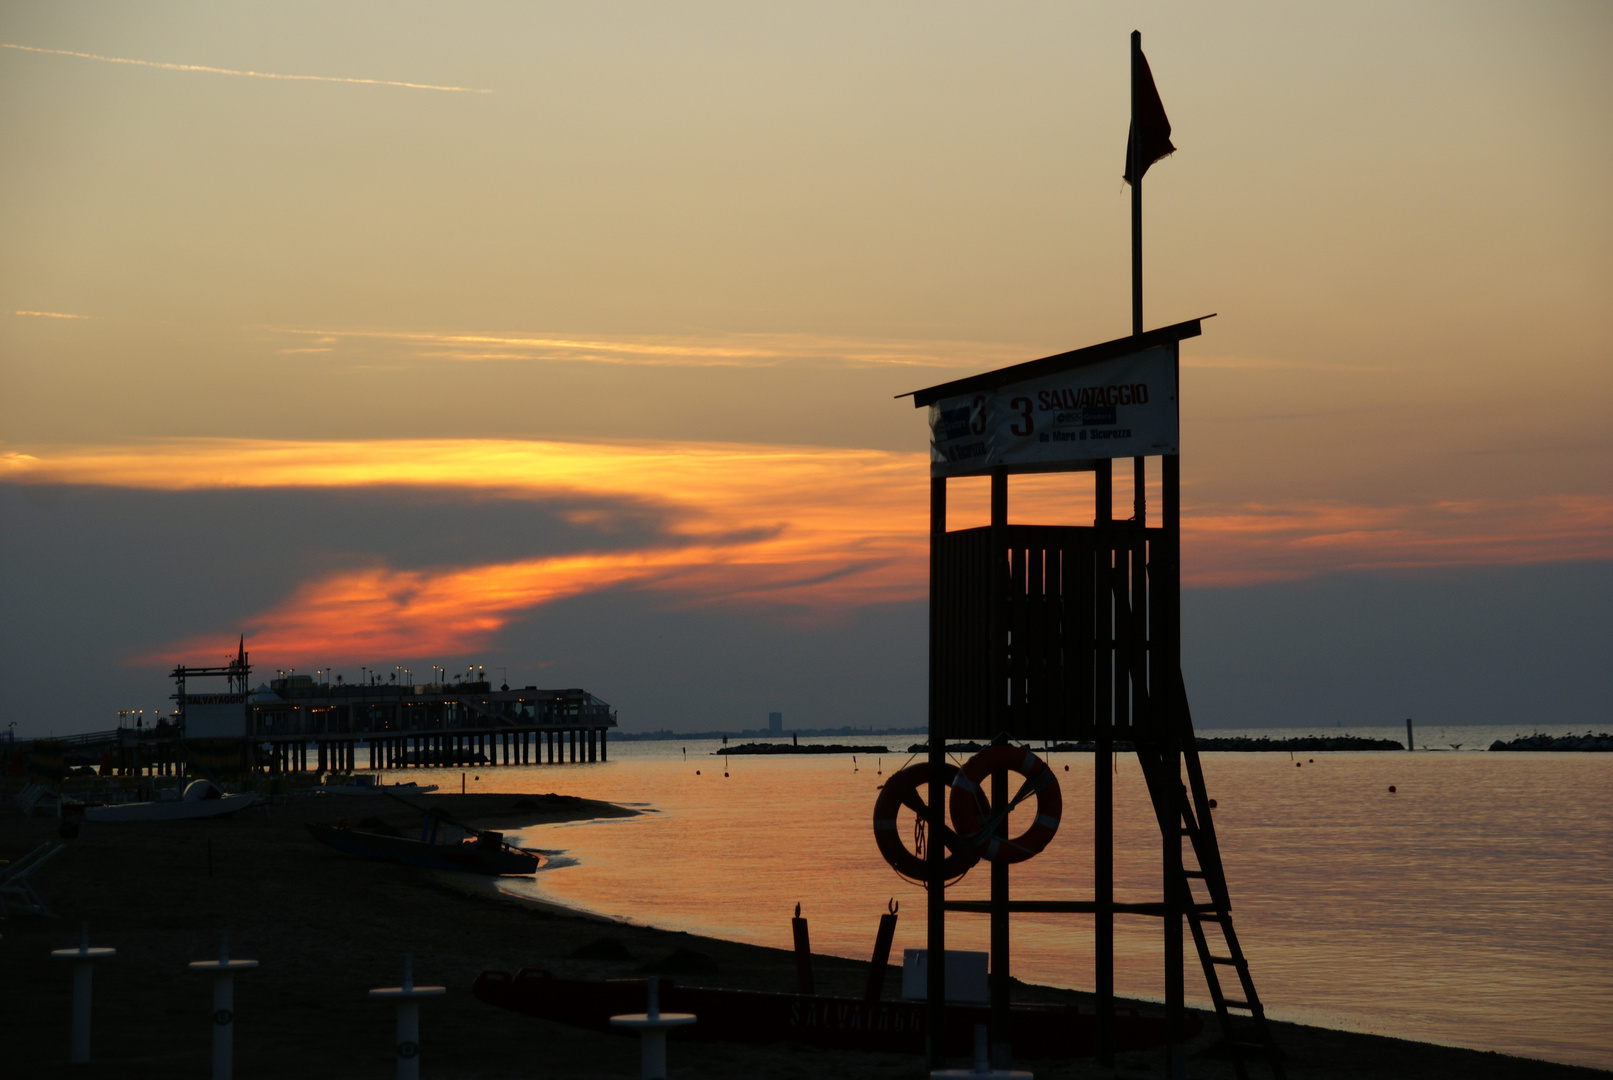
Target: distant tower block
column 775, row 723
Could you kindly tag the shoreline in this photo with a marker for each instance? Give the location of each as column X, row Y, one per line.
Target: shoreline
column 326, row 928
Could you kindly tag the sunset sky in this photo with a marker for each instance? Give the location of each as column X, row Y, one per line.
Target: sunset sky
column 566, row 340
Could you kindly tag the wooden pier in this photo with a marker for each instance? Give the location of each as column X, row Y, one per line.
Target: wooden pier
column 298, row 726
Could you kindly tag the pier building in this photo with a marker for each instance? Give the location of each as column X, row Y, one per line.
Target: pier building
column 294, row 724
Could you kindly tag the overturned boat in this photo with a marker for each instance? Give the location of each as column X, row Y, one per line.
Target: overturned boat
column 480, row 852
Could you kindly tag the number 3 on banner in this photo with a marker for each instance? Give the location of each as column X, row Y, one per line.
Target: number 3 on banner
column 1023, row 404
column 977, row 425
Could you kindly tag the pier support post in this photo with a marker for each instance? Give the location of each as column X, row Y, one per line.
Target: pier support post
column 83, row 959
column 602, row 755
column 408, row 998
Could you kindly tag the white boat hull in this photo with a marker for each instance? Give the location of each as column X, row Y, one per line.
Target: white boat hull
column 178, row 810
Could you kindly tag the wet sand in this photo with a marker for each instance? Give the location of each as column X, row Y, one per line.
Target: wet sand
column 326, row 928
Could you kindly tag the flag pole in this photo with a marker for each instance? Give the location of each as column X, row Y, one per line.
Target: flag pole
column 1136, row 184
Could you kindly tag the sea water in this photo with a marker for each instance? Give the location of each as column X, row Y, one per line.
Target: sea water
column 1472, row 906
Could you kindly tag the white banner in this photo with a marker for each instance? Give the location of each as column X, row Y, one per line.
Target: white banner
column 1125, row 407
column 215, row 716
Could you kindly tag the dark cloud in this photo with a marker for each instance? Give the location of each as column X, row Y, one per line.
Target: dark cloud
column 1491, row 644
column 95, row 576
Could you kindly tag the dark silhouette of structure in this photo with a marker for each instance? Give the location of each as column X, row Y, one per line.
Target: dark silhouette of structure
column 1073, row 632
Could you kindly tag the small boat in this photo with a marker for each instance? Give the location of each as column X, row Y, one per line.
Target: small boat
column 753, row 1016
column 201, row 799
column 368, row 785
column 481, row 852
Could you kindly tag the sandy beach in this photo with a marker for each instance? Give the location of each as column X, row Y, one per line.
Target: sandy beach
column 326, row 928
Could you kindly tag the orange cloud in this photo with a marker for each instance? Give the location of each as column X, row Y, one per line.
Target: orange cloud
column 798, row 529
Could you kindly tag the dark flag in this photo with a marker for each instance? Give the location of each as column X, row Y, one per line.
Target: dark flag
column 1156, row 128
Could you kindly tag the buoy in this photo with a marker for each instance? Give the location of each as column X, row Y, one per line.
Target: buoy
column 904, row 788
column 977, row 820
column 697, row 772
column 1391, row 789
column 1212, row 804
column 1066, row 768
column 1299, row 764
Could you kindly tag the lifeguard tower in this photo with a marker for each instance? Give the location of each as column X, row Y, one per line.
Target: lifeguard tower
column 1072, row 632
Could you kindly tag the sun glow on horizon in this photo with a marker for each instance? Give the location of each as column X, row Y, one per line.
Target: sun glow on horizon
column 799, row 531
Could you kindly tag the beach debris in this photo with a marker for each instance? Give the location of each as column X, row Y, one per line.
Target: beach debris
column 605, row 948
column 652, row 1025
column 408, row 998
column 83, row 959
column 223, row 970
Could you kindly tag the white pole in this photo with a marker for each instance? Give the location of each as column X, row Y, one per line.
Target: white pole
column 652, row 1025
column 83, row 959
column 408, row 1040
column 82, row 976
column 407, row 996
column 223, row 970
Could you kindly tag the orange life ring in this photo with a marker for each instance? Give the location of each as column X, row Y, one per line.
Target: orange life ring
column 901, row 789
column 972, row 813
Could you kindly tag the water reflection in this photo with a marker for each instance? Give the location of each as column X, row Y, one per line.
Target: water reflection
column 1470, row 907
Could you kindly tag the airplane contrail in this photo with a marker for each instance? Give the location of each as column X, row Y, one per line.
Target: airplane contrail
column 247, row 74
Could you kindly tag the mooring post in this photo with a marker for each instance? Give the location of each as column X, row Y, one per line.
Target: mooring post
column 223, row 970
column 803, row 953
column 83, row 959
column 408, row 998
column 1410, row 745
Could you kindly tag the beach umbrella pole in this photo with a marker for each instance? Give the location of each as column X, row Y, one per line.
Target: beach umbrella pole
column 83, row 959
column 652, row 1025
column 408, row 998
column 223, row 970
